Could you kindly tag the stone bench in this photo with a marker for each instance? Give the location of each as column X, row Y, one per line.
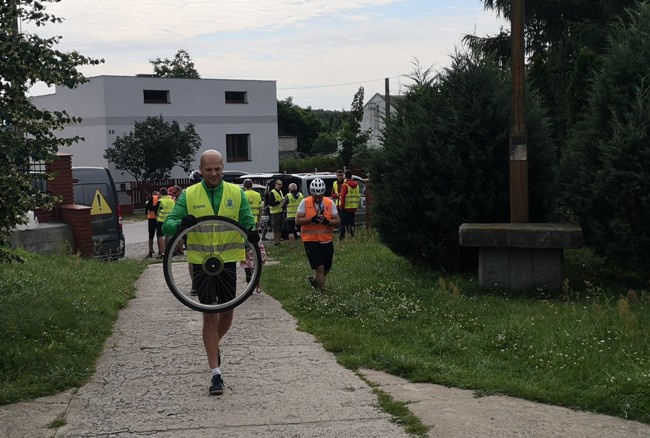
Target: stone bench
column 521, row 256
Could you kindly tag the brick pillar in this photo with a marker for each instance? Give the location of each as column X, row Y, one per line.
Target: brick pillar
column 79, row 219
column 60, row 186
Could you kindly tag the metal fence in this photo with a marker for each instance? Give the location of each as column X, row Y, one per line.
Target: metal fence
column 142, row 190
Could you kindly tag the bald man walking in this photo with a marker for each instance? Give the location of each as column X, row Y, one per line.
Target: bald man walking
column 211, row 195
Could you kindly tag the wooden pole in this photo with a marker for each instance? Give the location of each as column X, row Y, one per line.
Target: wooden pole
column 387, row 98
column 518, row 134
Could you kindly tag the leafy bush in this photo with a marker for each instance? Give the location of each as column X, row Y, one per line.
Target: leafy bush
column 605, row 167
column 310, row 164
column 445, row 161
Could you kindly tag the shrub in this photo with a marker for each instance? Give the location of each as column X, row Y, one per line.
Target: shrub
column 605, row 167
column 445, row 160
column 309, row 164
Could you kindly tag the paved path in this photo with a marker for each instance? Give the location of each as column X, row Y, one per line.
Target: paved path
column 152, row 380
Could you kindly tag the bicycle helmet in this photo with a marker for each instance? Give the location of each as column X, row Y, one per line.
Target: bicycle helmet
column 317, row 187
column 196, row 176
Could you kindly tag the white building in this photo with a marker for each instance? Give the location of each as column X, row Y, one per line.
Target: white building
column 374, row 112
column 236, row 117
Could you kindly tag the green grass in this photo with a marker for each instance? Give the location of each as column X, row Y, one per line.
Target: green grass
column 587, row 349
column 55, row 314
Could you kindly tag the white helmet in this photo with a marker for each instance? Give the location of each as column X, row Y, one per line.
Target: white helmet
column 317, row 187
column 196, row 176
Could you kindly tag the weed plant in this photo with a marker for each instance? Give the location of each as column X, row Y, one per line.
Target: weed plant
column 55, row 314
column 586, row 349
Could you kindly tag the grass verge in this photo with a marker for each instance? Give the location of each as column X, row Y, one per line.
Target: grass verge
column 55, row 314
column 587, row 349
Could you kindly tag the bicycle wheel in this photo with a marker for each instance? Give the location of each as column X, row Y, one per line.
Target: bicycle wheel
column 209, row 279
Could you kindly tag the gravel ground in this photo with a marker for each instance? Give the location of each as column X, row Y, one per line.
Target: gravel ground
column 137, row 250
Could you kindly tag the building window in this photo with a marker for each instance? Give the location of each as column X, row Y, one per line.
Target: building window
column 236, row 97
column 156, row 96
column 238, row 147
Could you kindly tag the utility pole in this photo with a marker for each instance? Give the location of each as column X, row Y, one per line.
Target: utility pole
column 387, row 98
column 518, row 134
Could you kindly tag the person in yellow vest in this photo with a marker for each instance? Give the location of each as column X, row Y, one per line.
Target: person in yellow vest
column 165, row 206
column 290, row 204
column 254, row 201
column 276, row 212
column 317, row 216
column 151, row 207
column 337, row 186
column 348, row 204
column 213, row 196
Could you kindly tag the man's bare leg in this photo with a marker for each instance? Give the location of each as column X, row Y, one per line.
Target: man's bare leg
column 319, row 277
column 215, row 327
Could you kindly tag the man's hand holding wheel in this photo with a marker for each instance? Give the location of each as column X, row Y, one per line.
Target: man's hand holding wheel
column 253, row 236
column 187, row 222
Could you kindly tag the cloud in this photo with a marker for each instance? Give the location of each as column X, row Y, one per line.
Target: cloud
column 303, row 45
column 115, row 21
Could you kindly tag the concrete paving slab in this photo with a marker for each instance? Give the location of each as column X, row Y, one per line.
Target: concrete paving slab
column 458, row 413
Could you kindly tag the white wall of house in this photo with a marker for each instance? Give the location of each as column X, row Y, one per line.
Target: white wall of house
column 109, row 105
column 374, row 112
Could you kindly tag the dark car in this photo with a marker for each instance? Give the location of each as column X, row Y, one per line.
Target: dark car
column 94, row 187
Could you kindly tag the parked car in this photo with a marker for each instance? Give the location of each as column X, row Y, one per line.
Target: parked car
column 95, row 188
column 233, row 176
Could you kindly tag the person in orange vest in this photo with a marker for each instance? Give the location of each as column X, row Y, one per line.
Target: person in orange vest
column 317, row 215
column 151, row 207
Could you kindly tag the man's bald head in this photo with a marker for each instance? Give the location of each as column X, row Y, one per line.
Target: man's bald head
column 211, row 154
column 211, row 167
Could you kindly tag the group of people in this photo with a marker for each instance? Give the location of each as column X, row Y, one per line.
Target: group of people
column 158, row 206
column 282, row 211
column 316, row 216
column 283, row 208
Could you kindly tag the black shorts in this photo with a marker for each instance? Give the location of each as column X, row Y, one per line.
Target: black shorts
column 153, row 227
column 219, row 288
column 159, row 228
column 320, row 254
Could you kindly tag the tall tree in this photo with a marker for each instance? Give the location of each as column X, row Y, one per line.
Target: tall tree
column 605, row 167
column 181, row 66
column 352, row 139
column 443, row 160
column 153, row 148
column 26, row 132
column 564, row 42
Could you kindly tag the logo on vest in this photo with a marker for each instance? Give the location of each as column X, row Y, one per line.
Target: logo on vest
column 198, row 206
column 230, row 203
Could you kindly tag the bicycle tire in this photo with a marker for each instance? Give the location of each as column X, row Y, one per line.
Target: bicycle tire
column 213, row 274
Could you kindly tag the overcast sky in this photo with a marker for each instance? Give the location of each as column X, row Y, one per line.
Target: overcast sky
column 318, row 51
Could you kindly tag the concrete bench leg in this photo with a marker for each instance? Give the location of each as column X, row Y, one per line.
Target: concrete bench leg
column 521, row 268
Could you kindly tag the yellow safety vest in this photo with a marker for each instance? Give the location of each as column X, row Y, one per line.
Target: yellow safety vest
column 209, row 240
column 275, row 209
column 254, row 201
column 165, row 206
column 352, row 197
column 336, row 188
column 292, row 205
